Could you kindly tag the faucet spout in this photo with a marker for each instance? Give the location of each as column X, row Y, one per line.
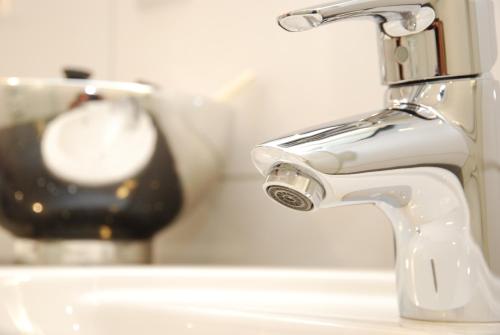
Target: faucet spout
column 386, row 140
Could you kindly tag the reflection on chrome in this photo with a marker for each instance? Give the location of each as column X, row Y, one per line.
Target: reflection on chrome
column 429, row 159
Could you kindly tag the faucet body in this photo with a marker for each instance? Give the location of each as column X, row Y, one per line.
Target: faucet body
column 430, row 160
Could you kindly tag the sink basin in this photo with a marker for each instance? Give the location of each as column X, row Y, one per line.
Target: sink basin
column 205, row 300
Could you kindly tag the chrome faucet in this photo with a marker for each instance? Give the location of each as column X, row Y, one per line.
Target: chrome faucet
column 430, row 159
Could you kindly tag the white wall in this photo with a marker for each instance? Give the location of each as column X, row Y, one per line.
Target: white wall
column 198, row 46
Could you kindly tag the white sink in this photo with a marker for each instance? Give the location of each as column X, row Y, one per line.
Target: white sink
column 219, row 301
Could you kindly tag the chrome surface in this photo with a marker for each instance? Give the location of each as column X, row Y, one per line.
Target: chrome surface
column 430, row 160
column 85, row 168
column 81, row 252
column 398, row 17
column 418, row 39
column 434, row 173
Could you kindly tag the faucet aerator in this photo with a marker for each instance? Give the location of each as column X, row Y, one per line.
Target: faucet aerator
column 294, row 189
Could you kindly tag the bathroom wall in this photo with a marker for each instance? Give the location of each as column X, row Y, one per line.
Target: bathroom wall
column 198, row 47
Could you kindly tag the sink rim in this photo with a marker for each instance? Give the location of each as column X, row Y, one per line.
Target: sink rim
column 252, row 285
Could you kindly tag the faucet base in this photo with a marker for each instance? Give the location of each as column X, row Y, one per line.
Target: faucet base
column 81, row 252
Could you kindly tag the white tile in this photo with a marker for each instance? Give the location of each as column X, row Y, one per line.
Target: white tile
column 40, row 37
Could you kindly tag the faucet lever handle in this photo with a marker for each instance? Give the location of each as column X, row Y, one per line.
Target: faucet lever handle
column 398, row 17
column 419, row 40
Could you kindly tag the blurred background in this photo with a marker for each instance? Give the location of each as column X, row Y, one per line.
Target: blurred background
column 197, row 47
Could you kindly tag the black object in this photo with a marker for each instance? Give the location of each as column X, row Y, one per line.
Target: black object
column 35, row 204
column 75, row 73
